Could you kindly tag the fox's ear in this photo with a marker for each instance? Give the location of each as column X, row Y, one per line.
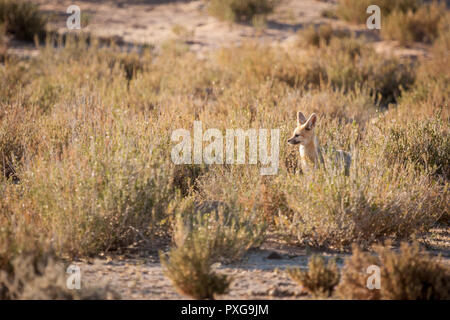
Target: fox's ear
column 311, row 123
column 301, row 119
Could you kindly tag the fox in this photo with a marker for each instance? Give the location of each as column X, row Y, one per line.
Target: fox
column 309, row 149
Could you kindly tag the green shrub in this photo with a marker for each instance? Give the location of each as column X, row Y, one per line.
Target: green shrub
column 207, row 232
column 320, row 278
column 189, row 269
column 22, row 19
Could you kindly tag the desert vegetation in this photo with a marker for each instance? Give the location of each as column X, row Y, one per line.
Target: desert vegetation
column 410, row 274
column 320, row 278
column 22, row 19
column 241, row 10
column 85, row 154
column 407, row 21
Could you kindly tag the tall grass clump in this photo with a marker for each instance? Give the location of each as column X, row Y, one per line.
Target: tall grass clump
column 241, row 10
column 422, row 25
column 22, row 19
column 320, row 279
column 409, row 274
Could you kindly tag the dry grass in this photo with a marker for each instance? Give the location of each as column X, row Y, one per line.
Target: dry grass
column 355, row 10
column 3, row 43
column 320, row 278
column 85, row 150
column 410, row 274
column 423, row 25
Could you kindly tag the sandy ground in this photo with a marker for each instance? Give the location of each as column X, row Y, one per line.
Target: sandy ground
column 260, row 275
column 138, row 274
column 151, row 22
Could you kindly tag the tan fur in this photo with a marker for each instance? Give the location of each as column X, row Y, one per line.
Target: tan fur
column 310, row 152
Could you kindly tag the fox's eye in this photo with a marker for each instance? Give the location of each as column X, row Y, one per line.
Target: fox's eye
column 297, row 135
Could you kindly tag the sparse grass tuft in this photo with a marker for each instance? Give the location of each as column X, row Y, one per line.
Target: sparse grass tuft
column 241, row 10
column 320, row 279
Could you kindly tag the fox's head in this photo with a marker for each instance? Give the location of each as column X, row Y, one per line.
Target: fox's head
column 304, row 132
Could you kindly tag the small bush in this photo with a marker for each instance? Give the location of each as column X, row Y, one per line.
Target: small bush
column 355, row 10
column 425, row 144
column 207, row 232
column 189, row 268
column 422, row 25
column 319, row 36
column 241, row 10
column 22, row 19
column 320, row 279
column 410, row 274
